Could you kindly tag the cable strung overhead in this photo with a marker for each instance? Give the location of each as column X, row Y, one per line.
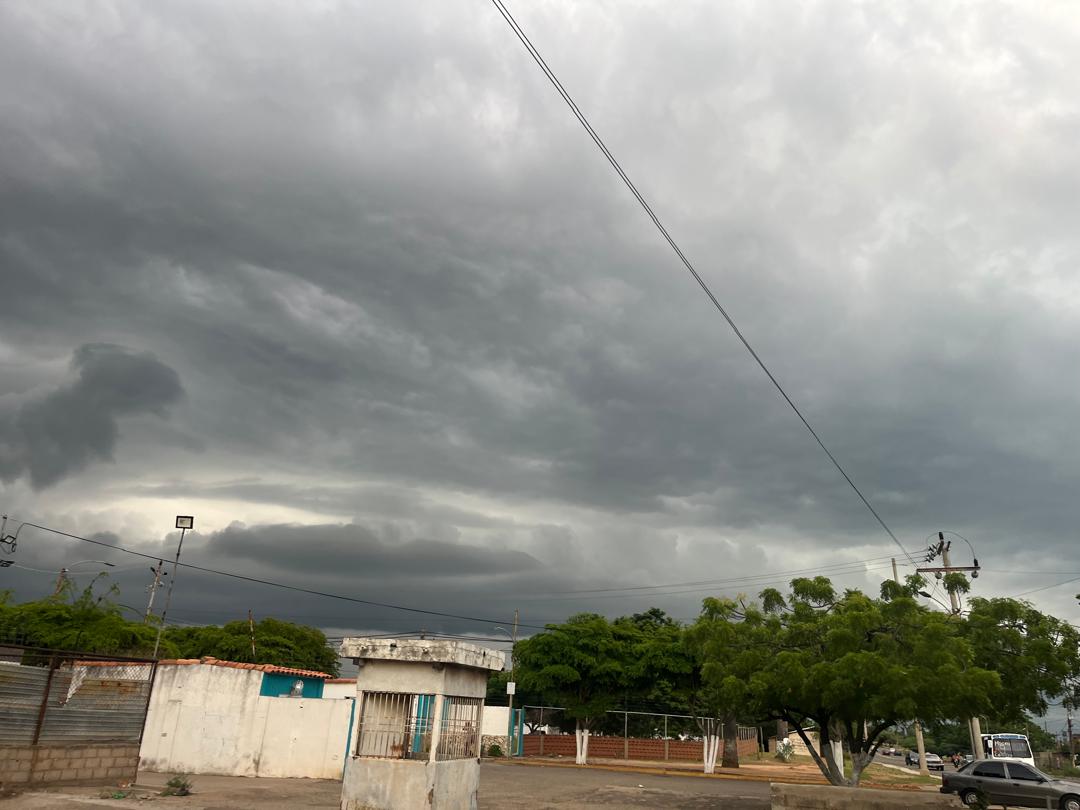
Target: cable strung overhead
column 506, row 15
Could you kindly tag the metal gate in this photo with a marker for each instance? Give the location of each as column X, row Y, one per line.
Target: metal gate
column 51, row 698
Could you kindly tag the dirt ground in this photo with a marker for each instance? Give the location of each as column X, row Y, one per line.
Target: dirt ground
column 502, row 787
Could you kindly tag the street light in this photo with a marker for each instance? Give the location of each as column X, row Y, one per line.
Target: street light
column 183, row 523
column 62, row 578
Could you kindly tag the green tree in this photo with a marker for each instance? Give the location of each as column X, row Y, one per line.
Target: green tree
column 582, row 665
column 276, row 642
column 718, row 694
column 851, row 665
column 77, row 621
column 1037, row 656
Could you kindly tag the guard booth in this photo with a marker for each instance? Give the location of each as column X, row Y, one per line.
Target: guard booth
column 416, row 743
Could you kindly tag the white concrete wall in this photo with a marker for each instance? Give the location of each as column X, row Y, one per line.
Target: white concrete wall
column 403, row 784
column 335, row 691
column 212, row 720
column 496, row 721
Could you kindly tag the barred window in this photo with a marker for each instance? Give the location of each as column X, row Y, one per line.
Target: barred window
column 459, row 728
column 395, row 725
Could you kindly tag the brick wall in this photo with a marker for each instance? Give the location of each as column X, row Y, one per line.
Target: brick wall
column 69, row 764
column 617, row 748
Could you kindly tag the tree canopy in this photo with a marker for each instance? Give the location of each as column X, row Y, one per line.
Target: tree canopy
column 276, row 642
column 82, row 621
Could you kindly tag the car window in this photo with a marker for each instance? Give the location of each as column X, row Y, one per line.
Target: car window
column 1023, row 772
column 992, row 770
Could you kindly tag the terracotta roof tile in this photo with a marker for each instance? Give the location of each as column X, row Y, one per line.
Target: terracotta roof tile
column 209, row 660
column 342, row 680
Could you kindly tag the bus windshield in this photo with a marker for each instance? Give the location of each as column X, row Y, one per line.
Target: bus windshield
column 1014, row 748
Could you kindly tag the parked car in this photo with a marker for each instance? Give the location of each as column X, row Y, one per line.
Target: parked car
column 933, row 761
column 1010, row 783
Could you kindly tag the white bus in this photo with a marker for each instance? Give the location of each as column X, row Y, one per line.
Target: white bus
column 1008, row 746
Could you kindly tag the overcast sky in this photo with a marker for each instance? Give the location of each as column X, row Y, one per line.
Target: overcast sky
column 348, row 283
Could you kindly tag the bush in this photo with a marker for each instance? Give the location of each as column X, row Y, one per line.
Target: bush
column 785, row 750
column 179, row 785
column 495, row 751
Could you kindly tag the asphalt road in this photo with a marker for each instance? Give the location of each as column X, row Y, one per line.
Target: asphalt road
column 502, row 787
column 533, row 786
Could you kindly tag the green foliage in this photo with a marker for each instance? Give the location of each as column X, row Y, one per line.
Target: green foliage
column 1037, row 656
column 848, row 664
column 179, row 785
column 78, row 621
column 495, row 751
column 276, row 642
column 785, row 750
column 583, row 664
column 90, row 623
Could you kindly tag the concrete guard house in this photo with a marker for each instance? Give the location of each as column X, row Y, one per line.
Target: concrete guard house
column 417, row 739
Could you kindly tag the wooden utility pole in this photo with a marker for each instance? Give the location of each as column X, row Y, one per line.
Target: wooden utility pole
column 251, row 627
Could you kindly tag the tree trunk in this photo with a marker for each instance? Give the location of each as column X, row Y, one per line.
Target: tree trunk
column 781, row 730
column 731, row 742
column 834, row 771
column 859, row 760
column 581, row 740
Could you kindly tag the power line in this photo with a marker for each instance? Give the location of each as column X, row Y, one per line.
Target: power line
column 762, row 583
column 259, row 581
column 770, row 574
column 1044, row 588
column 520, row 33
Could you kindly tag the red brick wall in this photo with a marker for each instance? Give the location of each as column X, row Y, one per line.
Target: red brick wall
column 613, row 747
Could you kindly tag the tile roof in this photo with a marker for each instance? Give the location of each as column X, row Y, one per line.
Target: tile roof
column 209, row 660
column 342, row 680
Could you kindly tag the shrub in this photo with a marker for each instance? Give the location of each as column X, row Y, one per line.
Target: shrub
column 495, row 750
column 785, row 750
column 179, row 785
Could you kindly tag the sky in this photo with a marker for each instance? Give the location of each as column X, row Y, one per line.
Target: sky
column 349, row 284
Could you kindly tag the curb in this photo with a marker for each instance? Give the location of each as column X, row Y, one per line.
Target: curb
column 534, row 763
column 740, row 777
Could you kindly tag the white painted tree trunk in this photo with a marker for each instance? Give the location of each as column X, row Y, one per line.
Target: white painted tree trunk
column 711, row 751
column 581, row 740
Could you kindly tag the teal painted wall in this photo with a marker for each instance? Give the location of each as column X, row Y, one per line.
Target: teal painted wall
column 275, row 684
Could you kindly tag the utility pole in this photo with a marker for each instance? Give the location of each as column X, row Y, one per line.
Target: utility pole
column 920, row 744
column 60, row 580
column 158, row 571
column 974, row 725
column 251, row 627
column 1072, row 746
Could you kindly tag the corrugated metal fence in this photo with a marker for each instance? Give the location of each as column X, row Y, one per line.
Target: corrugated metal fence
column 62, row 697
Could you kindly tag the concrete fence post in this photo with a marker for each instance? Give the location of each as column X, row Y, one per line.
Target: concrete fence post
column 436, row 727
column 625, row 735
column 665, row 739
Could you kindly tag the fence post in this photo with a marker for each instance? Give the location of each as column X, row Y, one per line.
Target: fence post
column 44, row 701
column 665, row 739
column 625, row 735
column 540, row 728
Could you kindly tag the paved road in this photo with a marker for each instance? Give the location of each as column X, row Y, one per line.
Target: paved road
column 529, row 786
column 502, row 787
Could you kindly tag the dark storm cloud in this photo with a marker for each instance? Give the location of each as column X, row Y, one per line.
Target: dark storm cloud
column 359, row 550
column 70, row 428
column 401, row 288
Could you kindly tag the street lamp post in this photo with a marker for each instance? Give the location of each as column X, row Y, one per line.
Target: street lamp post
column 183, row 523
column 62, row 577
